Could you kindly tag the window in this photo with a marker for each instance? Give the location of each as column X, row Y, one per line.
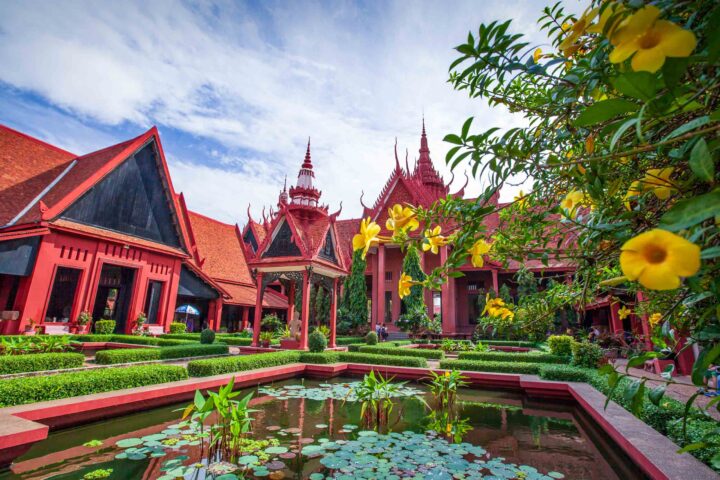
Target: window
column 388, row 276
column 388, row 307
column 152, row 301
column 62, row 295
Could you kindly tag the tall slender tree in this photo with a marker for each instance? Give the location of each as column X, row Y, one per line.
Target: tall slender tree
column 353, row 310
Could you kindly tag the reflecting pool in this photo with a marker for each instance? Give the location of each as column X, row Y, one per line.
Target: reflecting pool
column 313, row 429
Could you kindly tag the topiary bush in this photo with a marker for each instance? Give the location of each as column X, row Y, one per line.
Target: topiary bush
column 586, row 354
column 35, row 362
column 178, row 327
column 217, row 366
column 105, row 327
column 207, row 336
column 560, row 344
column 317, row 342
column 402, row 352
column 19, row 391
column 371, row 338
column 512, row 357
column 129, row 355
column 501, row 367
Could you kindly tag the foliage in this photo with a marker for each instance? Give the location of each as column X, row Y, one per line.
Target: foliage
column 319, row 306
column 134, row 339
column 105, row 327
column 403, row 352
column 348, row 340
column 272, row 323
column 375, row 394
column 217, row 366
column 129, row 355
column 319, row 358
column 371, row 338
column 267, row 337
column 353, row 311
column 512, row 357
column 317, row 342
column 207, row 336
column 540, row 312
column 415, row 320
column 24, row 390
column 377, row 359
column 98, row 474
column 84, row 318
column 560, row 344
column 35, row 362
column 586, row 354
column 489, row 366
column 414, row 302
column 177, row 327
column 444, row 386
column 21, row 345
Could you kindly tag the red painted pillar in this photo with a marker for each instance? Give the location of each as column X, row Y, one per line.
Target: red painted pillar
column 374, row 295
column 333, row 313
column 291, row 302
column 245, row 318
column 495, row 283
column 380, row 300
column 216, row 309
column 305, row 313
column 616, row 325
column 172, row 293
column 447, row 292
column 258, row 310
column 33, row 300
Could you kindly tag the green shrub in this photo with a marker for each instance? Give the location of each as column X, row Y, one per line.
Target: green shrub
column 568, row 373
column 317, row 342
column 35, row 362
column 402, row 352
column 105, row 327
column 178, row 327
column 129, row 355
column 348, row 340
column 697, row 430
column 586, row 354
column 529, row 357
column 374, row 359
column 217, row 366
column 207, row 336
column 509, row 343
column 560, row 344
column 500, row 367
column 236, row 341
column 19, row 391
column 324, row 357
column 371, row 338
column 355, row 347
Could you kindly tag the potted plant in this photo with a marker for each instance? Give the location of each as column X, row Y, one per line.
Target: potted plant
column 266, row 338
column 140, row 324
column 83, row 322
column 31, row 327
column 287, row 340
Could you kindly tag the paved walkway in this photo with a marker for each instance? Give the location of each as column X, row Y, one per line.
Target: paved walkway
column 678, row 392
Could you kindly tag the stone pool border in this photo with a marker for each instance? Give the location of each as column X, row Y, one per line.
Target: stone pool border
column 23, row 425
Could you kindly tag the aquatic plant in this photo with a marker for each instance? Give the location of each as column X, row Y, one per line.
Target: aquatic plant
column 444, row 388
column 98, row 474
column 337, row 391
column 375, row 394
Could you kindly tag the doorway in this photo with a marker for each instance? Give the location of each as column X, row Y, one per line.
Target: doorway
column 112, row 301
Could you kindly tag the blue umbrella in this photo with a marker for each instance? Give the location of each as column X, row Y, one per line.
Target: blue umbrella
column 187, row 310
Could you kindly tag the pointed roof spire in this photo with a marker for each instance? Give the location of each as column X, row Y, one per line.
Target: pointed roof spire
column 307, row 163
column 423, row 140
column 285, row 184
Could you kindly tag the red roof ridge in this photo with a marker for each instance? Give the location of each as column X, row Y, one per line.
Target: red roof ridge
column 37, row 140
column 193, row 212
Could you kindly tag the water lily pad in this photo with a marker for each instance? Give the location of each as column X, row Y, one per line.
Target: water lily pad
column 248, row 460
column 556, row 475
column 128, row 442
column 154, row 437
column 316, row 476
column 321, row 425
column 275, row 465
column 275, row 450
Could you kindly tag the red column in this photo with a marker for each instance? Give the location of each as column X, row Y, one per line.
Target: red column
column 245, row 318
column 33, row 300
column 333, row 312
column 258, row 311
column 496, row 285
column 172, row 292
column 616, row 325
column 447, row 292
column 291, row 302
column 305, row 313
column 374, row 296
column 215, row 314
column 380, row 300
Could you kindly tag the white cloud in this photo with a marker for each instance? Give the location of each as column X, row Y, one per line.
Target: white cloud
column 258, row 81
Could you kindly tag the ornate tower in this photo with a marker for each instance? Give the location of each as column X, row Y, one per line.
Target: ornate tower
column 305, row 193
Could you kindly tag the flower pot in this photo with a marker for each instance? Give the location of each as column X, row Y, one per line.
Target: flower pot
column 265, row 344
column 73, row 329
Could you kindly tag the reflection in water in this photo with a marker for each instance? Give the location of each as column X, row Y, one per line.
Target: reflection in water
column 549, row 438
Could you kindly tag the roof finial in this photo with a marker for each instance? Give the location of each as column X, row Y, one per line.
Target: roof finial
column 307, row 163
column 248, row 214
column 285, row 184
column 397, row 160
column 423, row 140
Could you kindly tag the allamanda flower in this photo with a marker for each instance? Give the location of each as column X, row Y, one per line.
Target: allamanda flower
column 650, row 40
column 401, row 219
column 624, row 312
column 404, row 285
column 610, row 11
column 479, row 248
column 658, row 258
column 569, row 45
column 654, row 319
column 368, row 236
column 573, row 201
column 433, row 240
column 658, row 181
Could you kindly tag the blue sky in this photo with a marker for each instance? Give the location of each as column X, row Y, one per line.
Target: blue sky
column 236, row 88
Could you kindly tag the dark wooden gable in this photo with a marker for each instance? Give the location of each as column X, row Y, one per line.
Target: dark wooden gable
column 132, row 199
column 327, row 251
column 249, row 238
column 283, row 245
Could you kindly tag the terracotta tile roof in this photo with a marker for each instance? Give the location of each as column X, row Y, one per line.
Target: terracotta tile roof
column 246, row 295
column 115, row 236
column 346, row 230
column 27, row 166
column 220, row 247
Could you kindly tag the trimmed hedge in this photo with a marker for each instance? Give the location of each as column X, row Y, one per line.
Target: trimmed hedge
column 497, row 367
column 19, row 391
column 129, row 355
column 226, row 338
column 349, row 340
column 217, row 366
column 324, row 357
column 35, row 362
column 509, row 343
column 134, row 339
column 402, row 352
column 512, row 357
column 374, row 359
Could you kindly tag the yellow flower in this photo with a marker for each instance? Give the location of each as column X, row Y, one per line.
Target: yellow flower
column 624, row 312
column 401, row 219
column 658, row 258
column 520, row 199
column 433, row 240
column 505, row 313
column 448, row 429
column 590, row 144
column 479, row 248
column 537, row 55
column 609, row 11
column 658, row 181
column 447, row 374
column 572, row 201
column 650, row 40
column 654, row 319
column 633, row 191
column 404, row 285
column 493, row 305
column 569, row 45
column 368, row 236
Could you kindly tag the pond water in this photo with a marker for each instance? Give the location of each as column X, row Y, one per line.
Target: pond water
column 312, row 429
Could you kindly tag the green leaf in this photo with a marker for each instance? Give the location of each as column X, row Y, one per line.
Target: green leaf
column 673, row 70
column 639, row 360
column 689, row 126
column 708, row 253
column 619, row 132
column 452, row 138
column 604, row 110
column 640, row 85
column 702, row 362
column 701, row 162
column 691, row 211
column 655, row 394
column 466, row 127
column 692, row 447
